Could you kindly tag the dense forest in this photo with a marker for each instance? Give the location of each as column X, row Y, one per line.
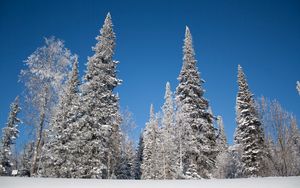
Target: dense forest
column 80, row 131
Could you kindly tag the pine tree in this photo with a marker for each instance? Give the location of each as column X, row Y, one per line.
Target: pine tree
column 194, row 122
column 57, row 159
column 9, row 135
column 150, row 167
column 249, row 136
column 100, row 118
column 169, row 150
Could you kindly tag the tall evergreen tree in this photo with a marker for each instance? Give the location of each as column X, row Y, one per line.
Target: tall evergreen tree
column 249, row 136
column 100, row 118
column 57, row 159
column 194, row 122
column 9, row 135
column 169, row 150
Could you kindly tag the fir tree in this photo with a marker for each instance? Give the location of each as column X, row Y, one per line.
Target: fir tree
column 9, row 135
column 57, row 158
column 99, row 142
column 194, row 122
column 249, row 136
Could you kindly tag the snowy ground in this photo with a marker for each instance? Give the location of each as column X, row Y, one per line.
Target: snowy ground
column 278, row 182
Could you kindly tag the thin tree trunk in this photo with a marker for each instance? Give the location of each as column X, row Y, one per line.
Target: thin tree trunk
column 37, row 149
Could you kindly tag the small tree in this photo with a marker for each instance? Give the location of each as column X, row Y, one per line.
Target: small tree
column 9, row 135
column 151, row 168
column 223, row 157
column 282, row 138
column 125, row 168
column 139, row 158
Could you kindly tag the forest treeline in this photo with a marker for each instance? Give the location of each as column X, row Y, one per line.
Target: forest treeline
column 80, row 132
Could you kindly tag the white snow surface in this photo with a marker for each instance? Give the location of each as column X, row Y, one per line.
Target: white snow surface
column 270, row 182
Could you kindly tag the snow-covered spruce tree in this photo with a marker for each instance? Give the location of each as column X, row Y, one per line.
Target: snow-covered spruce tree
column 9, row 135
column 169, row 149
column 44, row 79
column 138, row 158
column 223, row 157
column 57, row 152
column 100, row 119
column 194, row 123
column 249, row 136
column 151, row 168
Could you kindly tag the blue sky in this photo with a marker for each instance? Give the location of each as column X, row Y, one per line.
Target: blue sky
column 263, row 36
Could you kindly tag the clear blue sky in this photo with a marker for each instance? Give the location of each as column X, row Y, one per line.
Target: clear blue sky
column 263, row 36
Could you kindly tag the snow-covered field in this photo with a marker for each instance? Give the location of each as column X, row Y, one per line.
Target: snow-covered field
column 272, row 182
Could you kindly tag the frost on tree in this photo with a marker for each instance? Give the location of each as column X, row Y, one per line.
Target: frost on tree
column 282, row 138
column 169, row 148
column 44, row 79
column 249, row 136
column 151, row 164
column 99, row 142
column 59, row 152
column 197, row 144
column 9, row 135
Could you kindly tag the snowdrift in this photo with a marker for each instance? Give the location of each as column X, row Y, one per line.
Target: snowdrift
column 271, row 182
